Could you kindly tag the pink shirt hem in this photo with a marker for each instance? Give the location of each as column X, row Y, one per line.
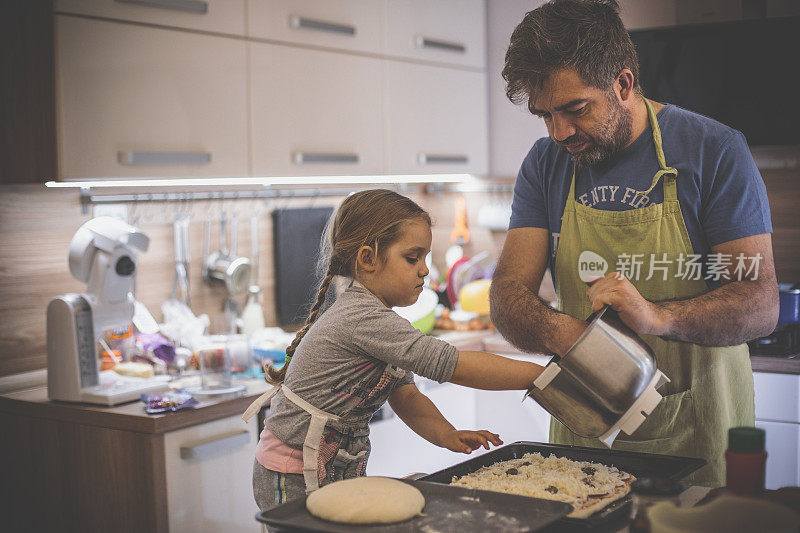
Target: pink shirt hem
column 272, row 453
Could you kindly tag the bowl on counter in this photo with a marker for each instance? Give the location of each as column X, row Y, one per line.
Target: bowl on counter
column 421, row 313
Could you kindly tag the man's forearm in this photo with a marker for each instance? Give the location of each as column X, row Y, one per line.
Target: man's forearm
column 527, row 322
column 729, row 315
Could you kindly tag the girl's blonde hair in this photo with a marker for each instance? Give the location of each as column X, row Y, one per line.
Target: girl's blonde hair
column 372, row 218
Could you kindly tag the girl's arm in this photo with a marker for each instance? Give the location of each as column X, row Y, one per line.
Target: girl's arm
column 421, row 415
column 487, row 371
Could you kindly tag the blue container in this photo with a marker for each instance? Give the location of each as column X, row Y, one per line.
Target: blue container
column 790, row 307
column 276, row 356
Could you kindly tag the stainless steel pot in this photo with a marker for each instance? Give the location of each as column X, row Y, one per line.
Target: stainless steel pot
column 603, row 383
column 225, row 266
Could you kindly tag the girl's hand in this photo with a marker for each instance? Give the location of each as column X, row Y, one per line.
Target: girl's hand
column 465, row 441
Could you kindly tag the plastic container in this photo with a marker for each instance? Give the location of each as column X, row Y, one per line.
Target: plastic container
column 253, row 314
column 745, row 461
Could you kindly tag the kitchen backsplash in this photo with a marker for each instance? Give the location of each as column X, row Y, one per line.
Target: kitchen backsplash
column 37, row 224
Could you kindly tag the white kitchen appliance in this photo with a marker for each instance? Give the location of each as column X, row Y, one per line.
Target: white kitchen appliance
column 103, row 255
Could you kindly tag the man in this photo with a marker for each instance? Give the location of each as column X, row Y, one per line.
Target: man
column 670, row 199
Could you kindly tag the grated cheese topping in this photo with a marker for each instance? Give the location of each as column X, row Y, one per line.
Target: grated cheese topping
column 550, row 478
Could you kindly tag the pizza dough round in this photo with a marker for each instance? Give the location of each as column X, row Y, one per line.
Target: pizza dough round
column 366, row 500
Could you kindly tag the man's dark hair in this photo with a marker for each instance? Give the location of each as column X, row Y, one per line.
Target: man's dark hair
column 585, row 35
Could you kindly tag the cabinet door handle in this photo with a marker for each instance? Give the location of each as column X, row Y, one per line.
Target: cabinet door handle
column 321, row 25
column 426, row 159
column 304, row 158
column 132, row 158
column 425, row 42
column 191, row 6
column 215, row 445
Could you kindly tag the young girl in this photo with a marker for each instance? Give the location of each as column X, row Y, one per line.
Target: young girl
column 346, row 362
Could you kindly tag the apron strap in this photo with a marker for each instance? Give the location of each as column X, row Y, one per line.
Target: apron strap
column 307, row 407
column 260, row 402
column 311, row 452
column 316, row 428
column 662, row 162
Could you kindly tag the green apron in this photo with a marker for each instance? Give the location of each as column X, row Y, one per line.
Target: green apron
column 711, row 389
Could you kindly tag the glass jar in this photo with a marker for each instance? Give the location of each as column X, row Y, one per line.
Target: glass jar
column 215, row 362
column 646, row 492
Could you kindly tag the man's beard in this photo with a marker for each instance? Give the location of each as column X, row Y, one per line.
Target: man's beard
column 612, row 137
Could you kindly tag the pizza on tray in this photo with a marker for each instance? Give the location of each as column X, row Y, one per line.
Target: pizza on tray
column 588, row 487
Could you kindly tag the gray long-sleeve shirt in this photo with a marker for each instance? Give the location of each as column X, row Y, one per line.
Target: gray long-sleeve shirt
column 338, row 365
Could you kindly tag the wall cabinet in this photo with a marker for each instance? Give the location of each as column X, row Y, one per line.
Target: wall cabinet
column 436, row 119
column 447, row 31
column 355, row 25
column 218, row 16
column 270, row 88
column 315, row 112
column 142, row 101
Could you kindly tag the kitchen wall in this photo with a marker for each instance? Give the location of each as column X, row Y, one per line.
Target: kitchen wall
column 37, row 224
column 512, row 129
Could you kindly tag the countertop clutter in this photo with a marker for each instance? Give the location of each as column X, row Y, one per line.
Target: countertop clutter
column 129, row 416
column 160, row 459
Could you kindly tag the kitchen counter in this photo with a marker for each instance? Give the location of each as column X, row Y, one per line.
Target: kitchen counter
column 128, row 417
column 83, row 467
column 777, row 365
column 495, row 343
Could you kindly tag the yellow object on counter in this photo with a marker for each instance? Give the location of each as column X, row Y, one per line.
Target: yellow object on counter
column 134, row 369
column 474, row 296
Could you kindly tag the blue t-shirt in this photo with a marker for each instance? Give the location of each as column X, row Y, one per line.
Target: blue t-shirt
column 720, row 190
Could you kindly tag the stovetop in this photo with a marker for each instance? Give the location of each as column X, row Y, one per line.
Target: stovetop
column 783, row 342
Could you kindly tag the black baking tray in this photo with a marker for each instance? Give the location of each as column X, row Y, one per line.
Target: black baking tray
column 636, row 463
column 448, row 509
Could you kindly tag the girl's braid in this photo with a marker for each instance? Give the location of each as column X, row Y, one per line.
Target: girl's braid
column 277, row 376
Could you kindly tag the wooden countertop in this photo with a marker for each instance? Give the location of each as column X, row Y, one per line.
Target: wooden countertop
column 129, row 416
column 778, row 365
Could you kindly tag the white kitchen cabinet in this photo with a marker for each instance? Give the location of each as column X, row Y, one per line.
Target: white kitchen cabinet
column 136, row 101
column 315, row 113
column 398, row 451
column 216, row 16
column 783, row 454
column 777, row 396
column 512, row 128
column 777, row 399
column 504, row 413
column 448, row 31
column 209, row 477
column 355, row 25
column 435, row 120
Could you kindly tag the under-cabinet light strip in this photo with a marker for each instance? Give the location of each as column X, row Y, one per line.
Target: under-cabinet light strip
column 261, row 182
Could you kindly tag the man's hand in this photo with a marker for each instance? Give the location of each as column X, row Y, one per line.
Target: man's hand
column 464, row 441
column 616, row 291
